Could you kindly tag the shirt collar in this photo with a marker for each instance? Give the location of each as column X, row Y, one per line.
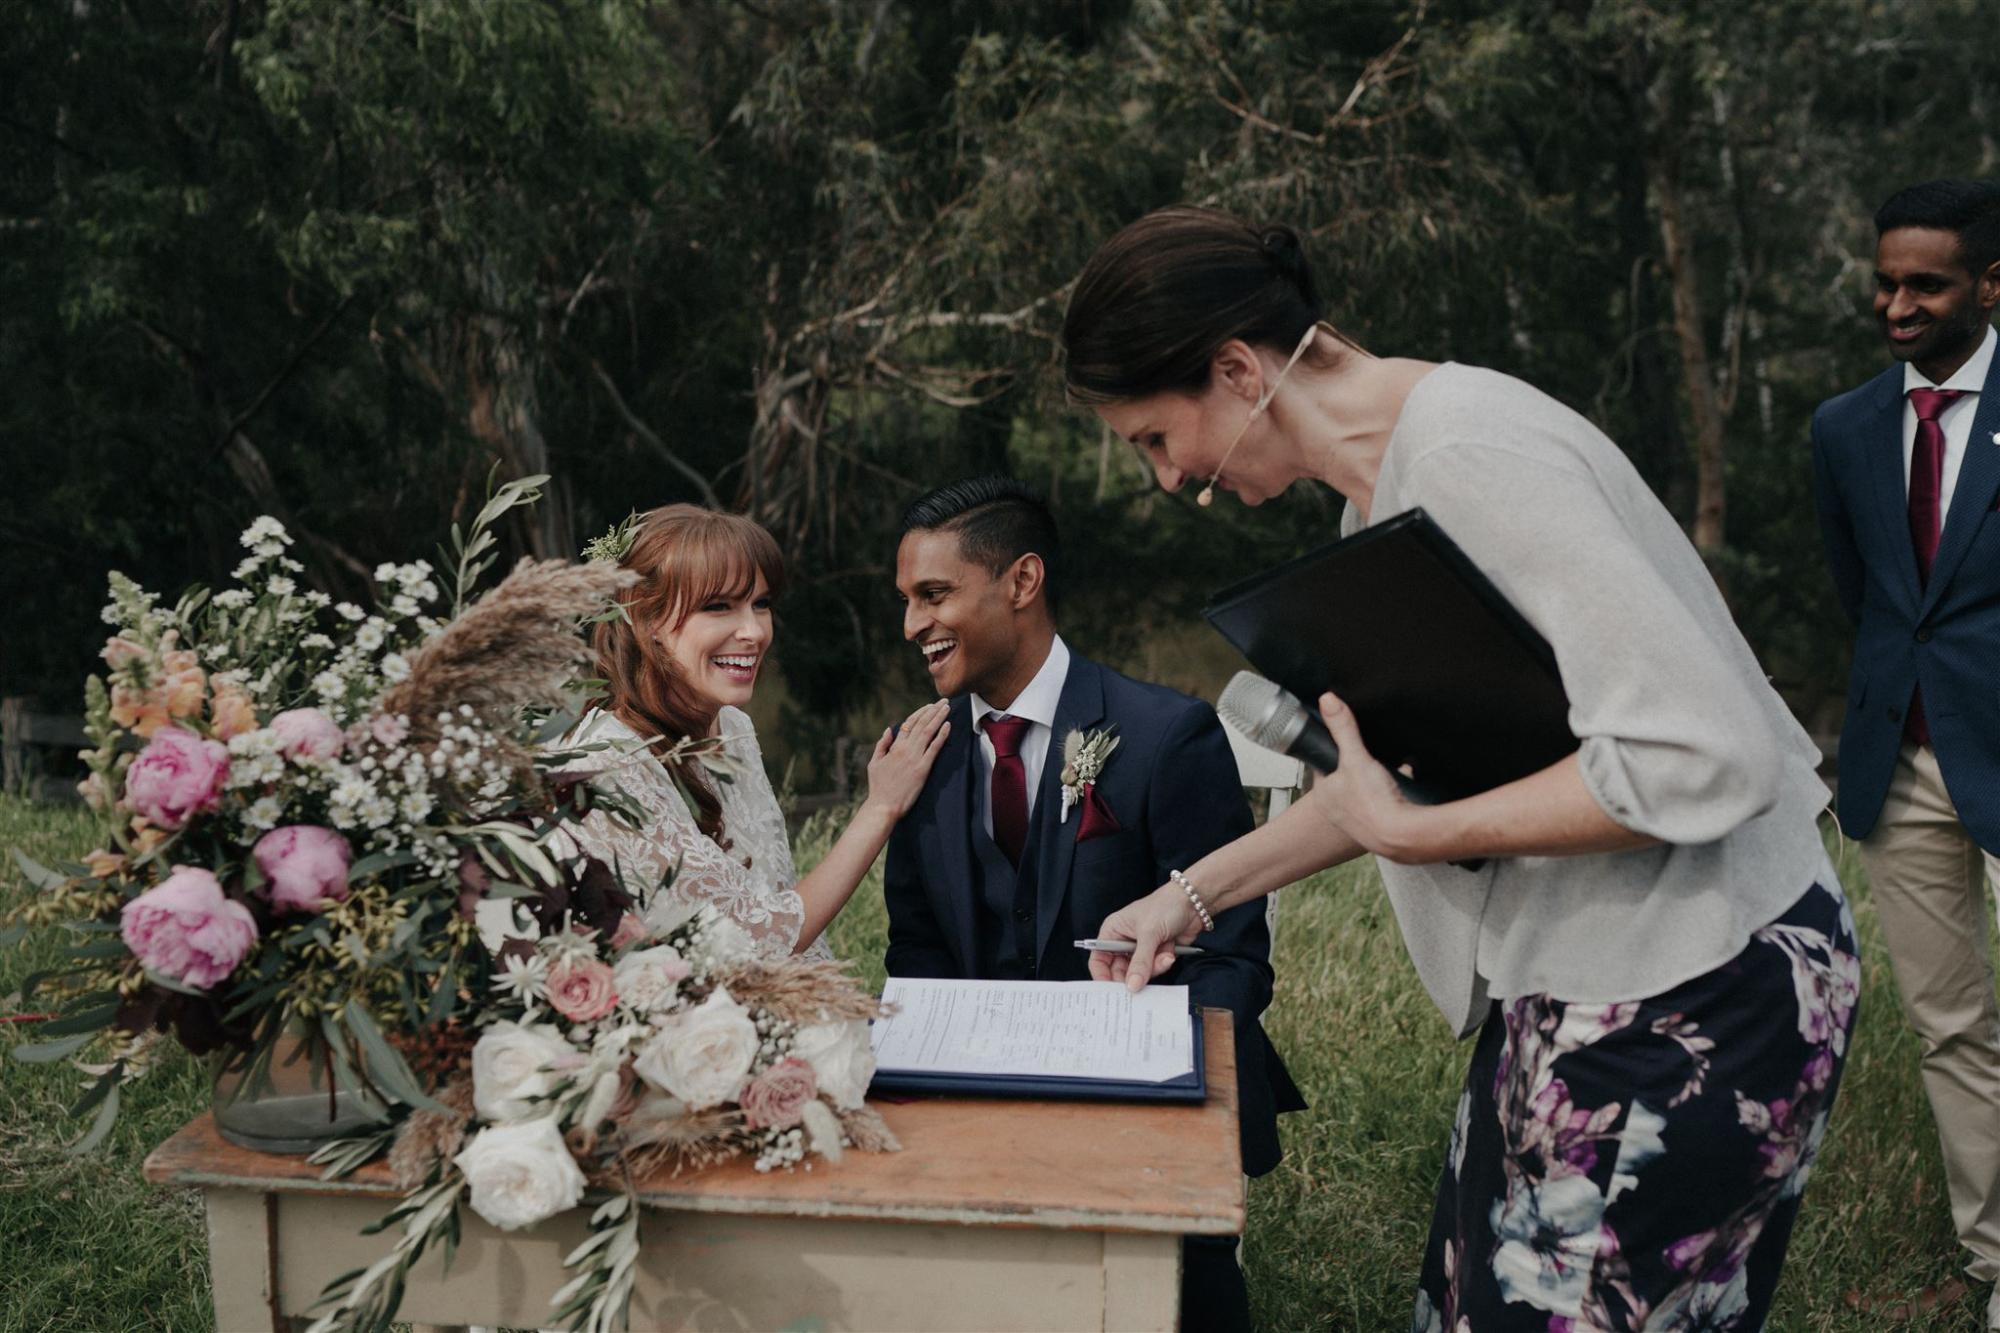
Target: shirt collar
column 1036, row 703
column 1969, row 378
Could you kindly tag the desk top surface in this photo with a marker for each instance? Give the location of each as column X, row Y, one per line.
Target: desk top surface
column 1098, row 1166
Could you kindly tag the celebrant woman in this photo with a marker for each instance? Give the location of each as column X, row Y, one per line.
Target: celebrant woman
column 1655, row 953
column 678, row 671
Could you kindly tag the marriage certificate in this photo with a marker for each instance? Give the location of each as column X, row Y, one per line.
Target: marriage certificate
column 1062, row 1029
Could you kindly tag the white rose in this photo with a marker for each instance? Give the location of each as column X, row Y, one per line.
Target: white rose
column 520, row 1174
column 510, row 1067
column 702, row 1056
column 647, row 979
column 841, row 1058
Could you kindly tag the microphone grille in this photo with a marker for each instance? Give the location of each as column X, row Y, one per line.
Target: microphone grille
column 1263, row 711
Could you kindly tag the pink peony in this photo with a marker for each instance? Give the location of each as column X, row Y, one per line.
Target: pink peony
column 176, row 777
column 307, row 735
column 305, row 867
column 389, row 728
column 776, row 1098
column 582, row 990
column 185, row 930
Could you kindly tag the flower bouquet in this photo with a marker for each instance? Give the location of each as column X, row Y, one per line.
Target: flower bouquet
column 339, row 840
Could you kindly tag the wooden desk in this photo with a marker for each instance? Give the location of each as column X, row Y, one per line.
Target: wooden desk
column 996, row 1215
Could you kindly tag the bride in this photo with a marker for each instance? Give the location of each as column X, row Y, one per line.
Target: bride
column 680, row 666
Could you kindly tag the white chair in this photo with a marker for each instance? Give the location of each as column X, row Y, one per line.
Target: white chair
column 1267, row 770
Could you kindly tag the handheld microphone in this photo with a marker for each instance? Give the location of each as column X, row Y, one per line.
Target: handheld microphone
column 1268, row 714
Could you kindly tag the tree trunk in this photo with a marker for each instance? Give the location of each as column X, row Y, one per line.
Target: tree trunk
column 1697, row 378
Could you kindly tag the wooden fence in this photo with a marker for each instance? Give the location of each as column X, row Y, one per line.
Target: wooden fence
column 26, row 737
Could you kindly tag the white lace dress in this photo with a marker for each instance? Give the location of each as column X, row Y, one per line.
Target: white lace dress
column 751, row 881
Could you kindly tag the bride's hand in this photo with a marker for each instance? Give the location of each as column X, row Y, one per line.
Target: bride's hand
column 903, row 758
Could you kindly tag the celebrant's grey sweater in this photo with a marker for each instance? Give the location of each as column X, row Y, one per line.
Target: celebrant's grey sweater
column 1683, row 738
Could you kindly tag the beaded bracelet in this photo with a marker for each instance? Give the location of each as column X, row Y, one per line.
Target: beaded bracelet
column 1200, row 908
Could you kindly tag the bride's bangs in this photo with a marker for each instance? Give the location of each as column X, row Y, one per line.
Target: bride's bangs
column 720, row 556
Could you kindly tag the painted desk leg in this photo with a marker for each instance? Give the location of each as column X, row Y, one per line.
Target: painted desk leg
column 1142, row 1283
column 243, row 1266
column 242, row 1269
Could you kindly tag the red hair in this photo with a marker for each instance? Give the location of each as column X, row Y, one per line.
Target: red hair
column 685, row 556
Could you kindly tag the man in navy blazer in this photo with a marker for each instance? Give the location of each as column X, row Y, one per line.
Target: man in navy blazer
column 992, row 875
column 1906, row 471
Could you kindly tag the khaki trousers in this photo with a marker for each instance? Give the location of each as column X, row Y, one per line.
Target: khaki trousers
column 1930, row 891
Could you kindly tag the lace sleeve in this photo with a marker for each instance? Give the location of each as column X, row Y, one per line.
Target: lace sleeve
column 668, row 843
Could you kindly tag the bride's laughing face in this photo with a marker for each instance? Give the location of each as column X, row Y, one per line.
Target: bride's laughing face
column 720, row 645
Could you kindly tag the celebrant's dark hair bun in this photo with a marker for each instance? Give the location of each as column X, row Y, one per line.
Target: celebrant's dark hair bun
column 1158, row 298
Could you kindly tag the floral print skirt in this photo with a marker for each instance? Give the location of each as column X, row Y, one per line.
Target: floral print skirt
column 1639, row 1165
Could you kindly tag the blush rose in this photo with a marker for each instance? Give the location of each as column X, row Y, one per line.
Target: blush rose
column 582, row 989
column 776, row 1098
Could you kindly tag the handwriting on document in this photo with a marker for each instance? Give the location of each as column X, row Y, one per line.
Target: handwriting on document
column 1069, row 1029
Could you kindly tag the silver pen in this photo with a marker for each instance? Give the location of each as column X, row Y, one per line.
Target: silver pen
column 1127, row 946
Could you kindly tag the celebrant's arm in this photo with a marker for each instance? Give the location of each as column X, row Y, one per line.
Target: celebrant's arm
column 896, row 774
column 1359, row 808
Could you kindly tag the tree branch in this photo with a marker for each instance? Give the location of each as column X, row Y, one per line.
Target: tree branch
column 243, row 418
column 659, row 446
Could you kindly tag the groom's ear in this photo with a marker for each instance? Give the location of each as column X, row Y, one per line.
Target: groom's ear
column 1027, row 581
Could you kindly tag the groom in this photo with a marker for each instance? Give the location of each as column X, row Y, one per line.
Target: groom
column 988, row 877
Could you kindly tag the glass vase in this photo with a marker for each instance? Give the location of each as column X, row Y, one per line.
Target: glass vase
column 290, row 1103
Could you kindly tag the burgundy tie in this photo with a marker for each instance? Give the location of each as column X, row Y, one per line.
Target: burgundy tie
column 1926, row 518
column 1009, row 792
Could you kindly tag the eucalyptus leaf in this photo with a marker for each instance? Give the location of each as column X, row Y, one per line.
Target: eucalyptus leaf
column 84, row 1021
column 107, row 1115
column 385, row 1063
column 48, row 1052
column 39, row 875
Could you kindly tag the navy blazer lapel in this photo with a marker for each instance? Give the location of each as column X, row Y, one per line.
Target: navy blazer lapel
column 1972, row 494
column 1889, row 483
column 952, row 816
column 1081, row 705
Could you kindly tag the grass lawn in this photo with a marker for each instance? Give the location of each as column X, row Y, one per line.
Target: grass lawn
column 1335, row 1233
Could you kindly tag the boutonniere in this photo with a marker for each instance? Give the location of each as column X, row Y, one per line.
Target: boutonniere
column 1084, row 756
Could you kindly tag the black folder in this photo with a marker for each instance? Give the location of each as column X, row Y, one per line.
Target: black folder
column 1189, row 1087
column 1443, row 674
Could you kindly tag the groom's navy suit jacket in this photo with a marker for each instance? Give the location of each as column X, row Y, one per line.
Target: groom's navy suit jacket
column 1944, row 634
column 1172, row 786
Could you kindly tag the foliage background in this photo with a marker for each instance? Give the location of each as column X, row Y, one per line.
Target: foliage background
column 336, row 262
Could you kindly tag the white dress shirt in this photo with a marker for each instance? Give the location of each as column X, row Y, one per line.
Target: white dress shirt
column 1955, row 420
column 1037, row 704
